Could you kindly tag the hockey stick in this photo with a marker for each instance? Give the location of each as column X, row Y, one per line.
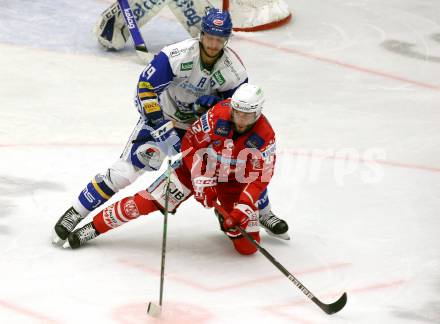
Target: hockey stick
column 139, row 43
column 154, row 309
column 328, row 308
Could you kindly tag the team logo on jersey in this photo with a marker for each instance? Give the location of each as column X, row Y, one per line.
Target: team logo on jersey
column 254, row 141
column 186, row 66
column 222, row 127
column 219, row 78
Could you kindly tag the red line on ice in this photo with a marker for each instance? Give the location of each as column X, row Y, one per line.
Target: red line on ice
column 26, row 312
column 340, row 63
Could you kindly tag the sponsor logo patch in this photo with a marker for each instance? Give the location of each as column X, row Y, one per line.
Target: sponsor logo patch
column 216, row 143
column 254, row 141
column 186, row 66
column 219, row 78
column 222, row 127
column 174, row 52
column 151, row 107
column 205, row 123
column 218, row 22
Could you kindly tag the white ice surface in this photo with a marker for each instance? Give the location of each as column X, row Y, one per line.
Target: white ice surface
column 358, row 178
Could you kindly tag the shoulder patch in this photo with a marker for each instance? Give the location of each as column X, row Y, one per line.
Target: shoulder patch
column 222, row 127
column 254, row 141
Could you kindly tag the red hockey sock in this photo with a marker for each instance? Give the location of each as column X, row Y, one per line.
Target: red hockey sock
column 122, row 212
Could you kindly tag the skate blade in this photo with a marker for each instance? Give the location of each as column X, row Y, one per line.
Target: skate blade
column 56, row 240
column 66, row 245
column 284, row 236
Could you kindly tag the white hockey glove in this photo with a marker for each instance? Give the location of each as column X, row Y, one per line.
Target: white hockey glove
column 166, row 138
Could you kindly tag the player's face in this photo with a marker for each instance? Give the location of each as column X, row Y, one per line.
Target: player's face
column 242, row 121
column 213, row 44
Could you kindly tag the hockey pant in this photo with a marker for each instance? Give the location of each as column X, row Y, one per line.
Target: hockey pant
column 141, row 154
column 180, row 189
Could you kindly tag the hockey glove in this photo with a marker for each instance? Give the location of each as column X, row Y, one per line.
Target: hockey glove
column 205, row 191
column 205, row 102
column 166, row 138
column 238, row 217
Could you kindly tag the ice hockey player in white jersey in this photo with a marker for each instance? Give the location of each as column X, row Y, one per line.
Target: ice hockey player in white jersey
column 112, row 32
column 181, row 82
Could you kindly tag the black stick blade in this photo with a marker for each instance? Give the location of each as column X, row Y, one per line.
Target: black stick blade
column 334, row 307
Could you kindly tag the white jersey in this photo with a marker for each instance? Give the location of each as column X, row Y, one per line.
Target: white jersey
column 177, row 77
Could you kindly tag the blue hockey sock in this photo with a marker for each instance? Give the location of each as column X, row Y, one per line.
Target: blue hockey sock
column 264, row 203
column 95, row 193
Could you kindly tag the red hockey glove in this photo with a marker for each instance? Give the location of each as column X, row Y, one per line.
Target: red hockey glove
column 238, row 217
column 205, row 191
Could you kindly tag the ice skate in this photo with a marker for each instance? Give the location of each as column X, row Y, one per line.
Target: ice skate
column 65, row 225
column 81, row 236
column 274, row 226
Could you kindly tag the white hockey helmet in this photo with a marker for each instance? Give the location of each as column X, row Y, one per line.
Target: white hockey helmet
column 248, row 98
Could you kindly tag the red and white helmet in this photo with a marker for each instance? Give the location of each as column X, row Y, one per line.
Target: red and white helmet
column 248, row 98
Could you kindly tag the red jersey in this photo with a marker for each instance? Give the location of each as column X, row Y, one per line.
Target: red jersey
column 211, row 147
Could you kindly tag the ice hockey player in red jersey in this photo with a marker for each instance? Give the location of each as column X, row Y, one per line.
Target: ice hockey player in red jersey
column 228, row 155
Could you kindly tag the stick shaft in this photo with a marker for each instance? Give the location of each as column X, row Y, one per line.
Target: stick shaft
column 164, row 233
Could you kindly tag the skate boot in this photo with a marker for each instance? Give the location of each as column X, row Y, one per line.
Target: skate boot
column 81, row 236
column 274, row 226
column 65, row 225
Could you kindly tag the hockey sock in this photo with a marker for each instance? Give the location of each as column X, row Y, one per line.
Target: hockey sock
column 94, row 195
column 122, row 212
column 264, row 203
